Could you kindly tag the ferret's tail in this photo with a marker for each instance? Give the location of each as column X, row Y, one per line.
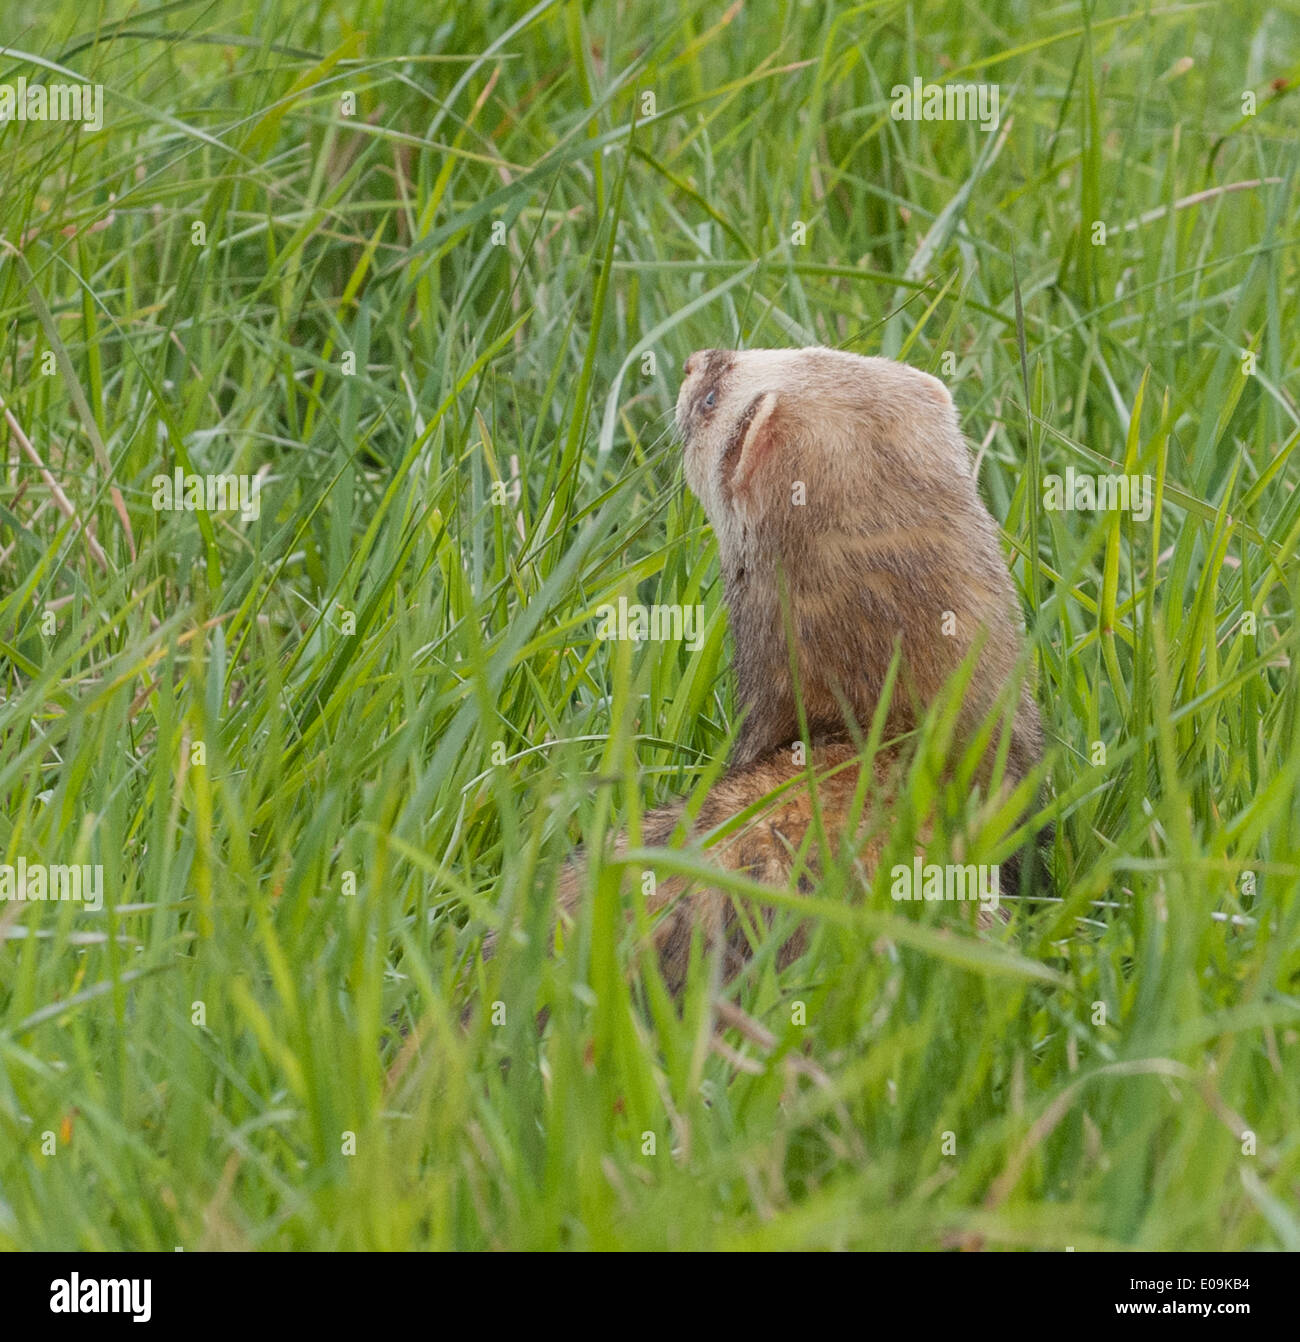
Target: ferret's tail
column 657, row 828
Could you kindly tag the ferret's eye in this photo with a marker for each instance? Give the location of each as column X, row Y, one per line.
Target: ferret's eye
column 711, row 400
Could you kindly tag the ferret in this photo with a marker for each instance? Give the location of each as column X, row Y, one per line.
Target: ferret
column 841, row 494
column 889, row 544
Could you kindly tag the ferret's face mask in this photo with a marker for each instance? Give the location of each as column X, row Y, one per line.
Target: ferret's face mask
column 722, row 409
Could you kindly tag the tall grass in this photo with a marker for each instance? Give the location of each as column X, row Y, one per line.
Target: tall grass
column 406, row 717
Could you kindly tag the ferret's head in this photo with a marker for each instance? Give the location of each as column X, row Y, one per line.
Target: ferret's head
column 857, row 433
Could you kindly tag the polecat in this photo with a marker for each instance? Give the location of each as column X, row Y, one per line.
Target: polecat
column 841, row 494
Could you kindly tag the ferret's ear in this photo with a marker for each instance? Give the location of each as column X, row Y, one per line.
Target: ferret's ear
column 751, row 440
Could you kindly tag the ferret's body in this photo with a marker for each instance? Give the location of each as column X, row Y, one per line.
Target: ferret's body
column 888, row 544
column 766, row 847
column 841, row 493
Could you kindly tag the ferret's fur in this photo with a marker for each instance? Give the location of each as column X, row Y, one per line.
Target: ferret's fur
column 892, row 535
column 841, row 494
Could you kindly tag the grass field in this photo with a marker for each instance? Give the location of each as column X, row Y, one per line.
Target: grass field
column 431, row 283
